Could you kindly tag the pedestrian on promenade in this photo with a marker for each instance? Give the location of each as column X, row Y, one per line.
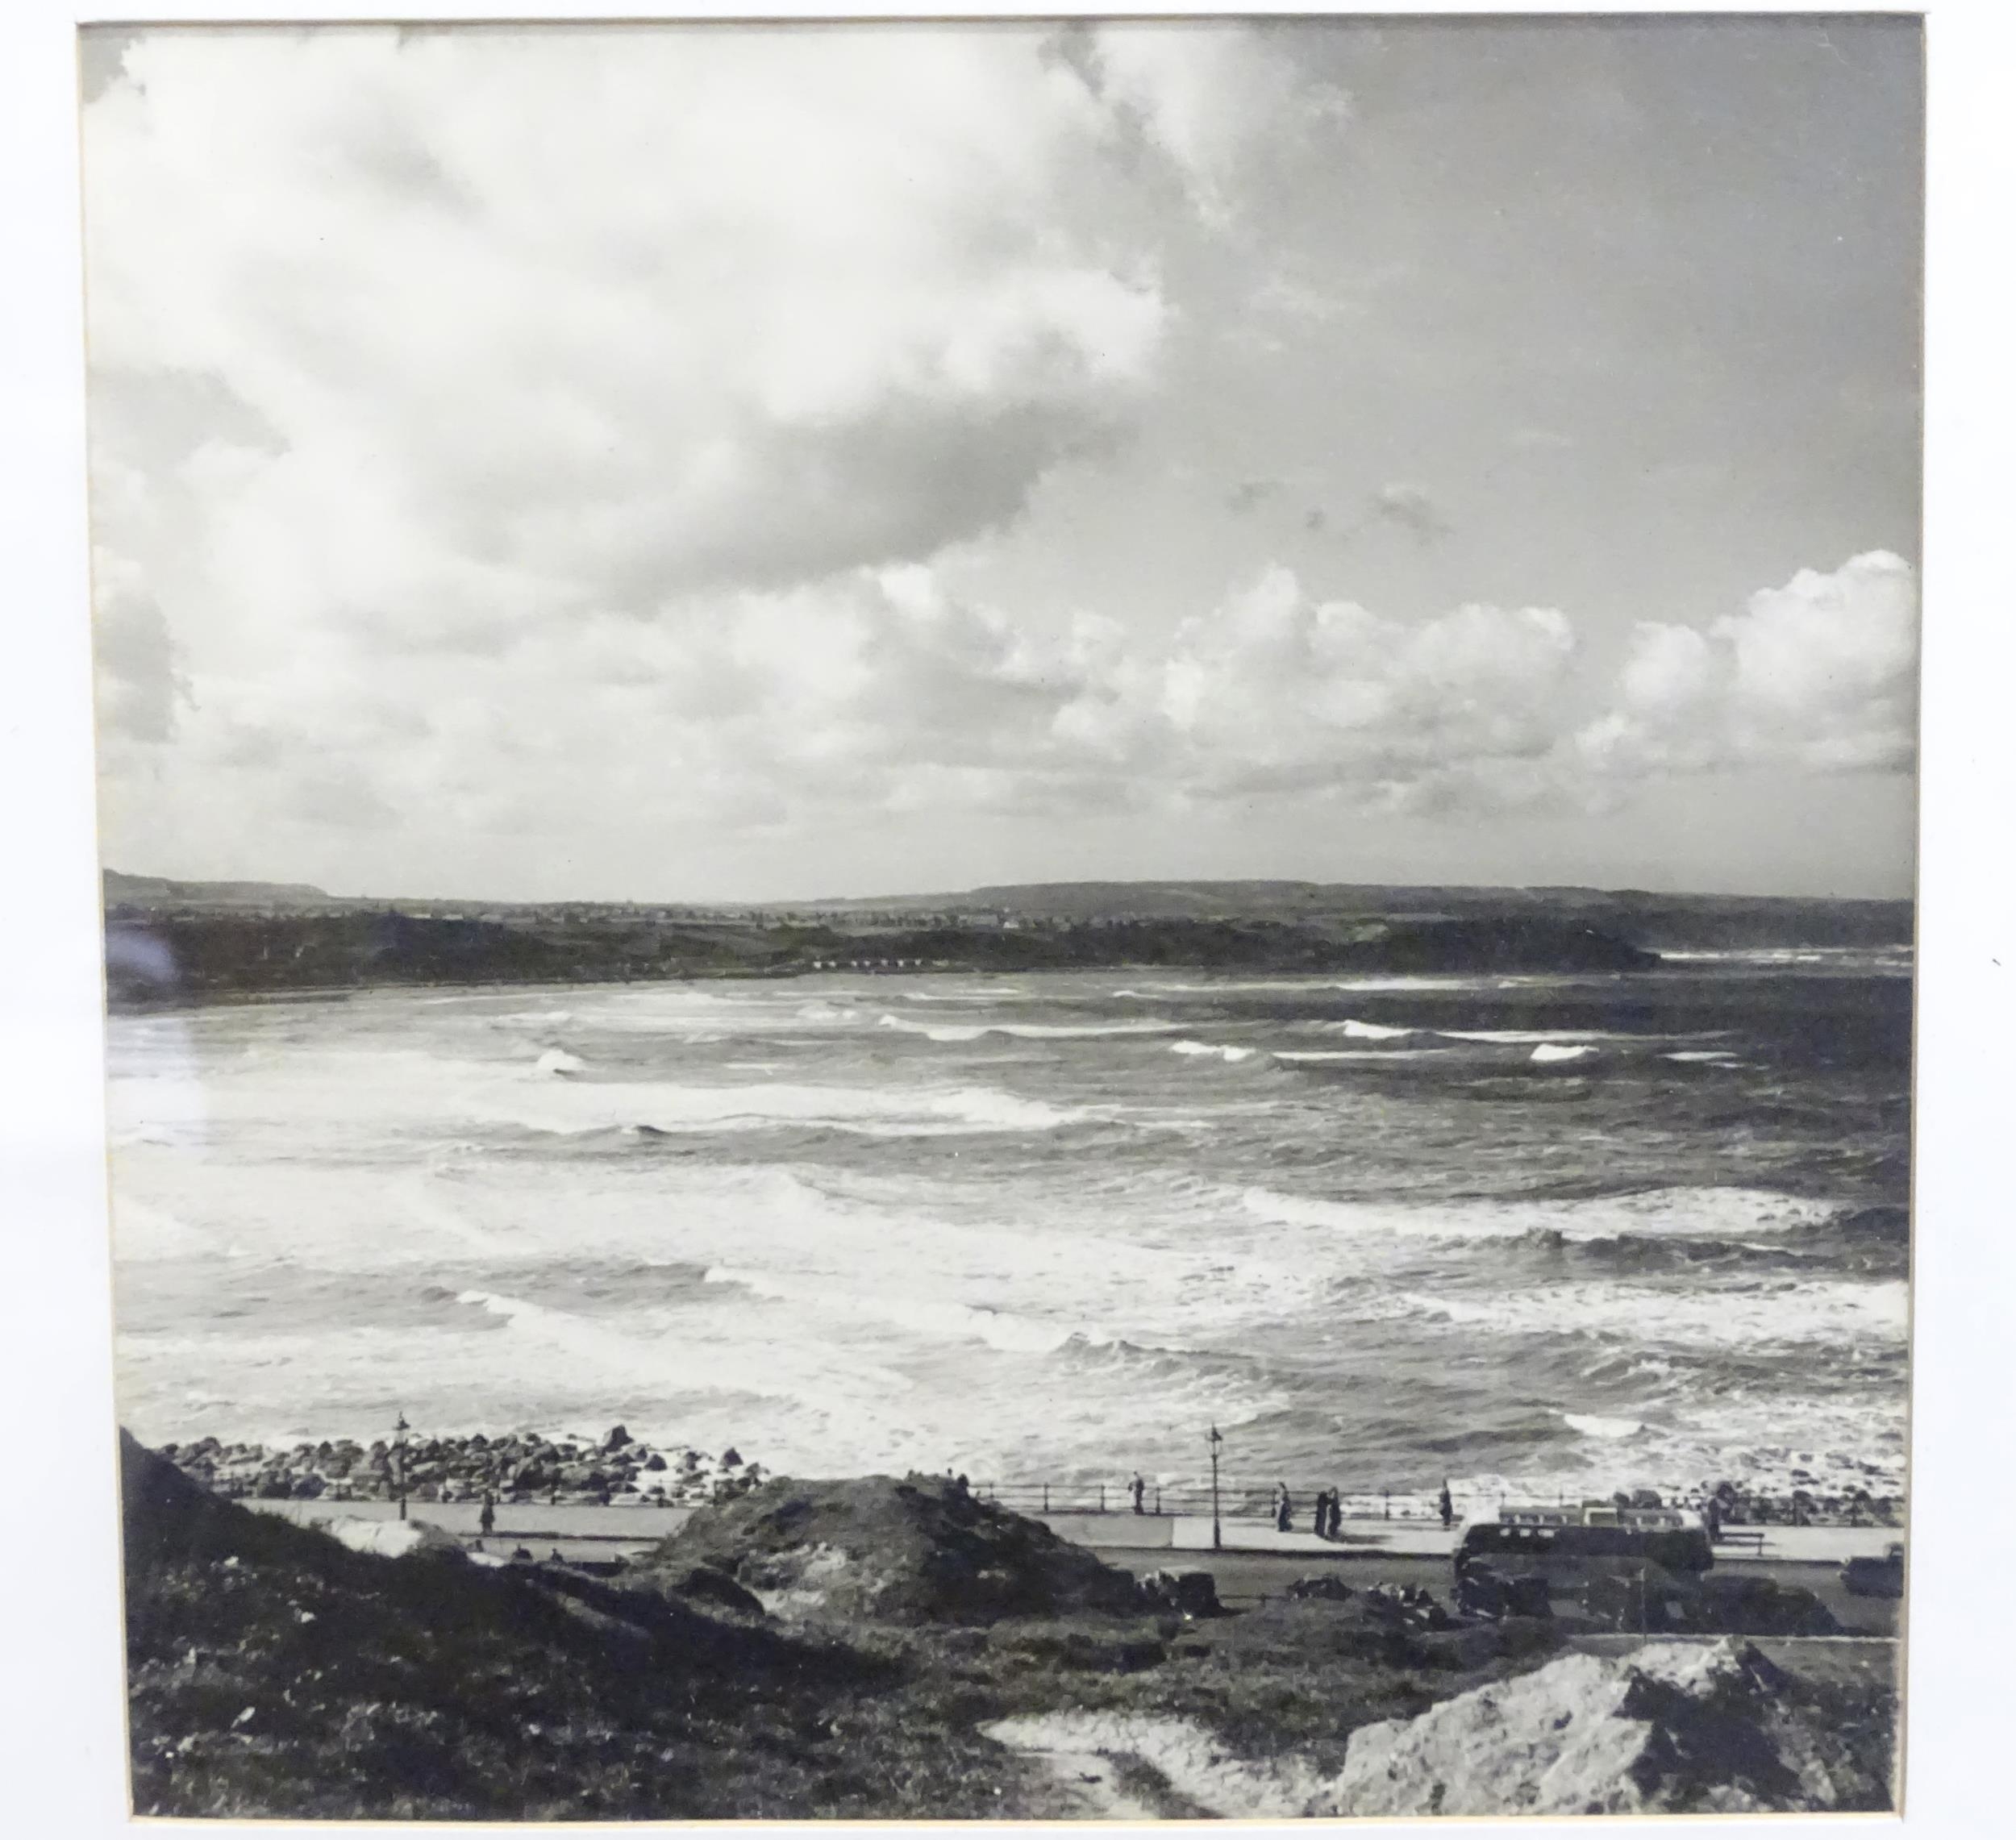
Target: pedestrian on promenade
column 1284, row 1508
column 1448, row 1506
column 1320, row 1518
column 487, row 1520
column 1336, row 1527
column 1138, row 1488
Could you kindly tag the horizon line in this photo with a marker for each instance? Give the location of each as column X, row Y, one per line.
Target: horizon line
column 948, row 894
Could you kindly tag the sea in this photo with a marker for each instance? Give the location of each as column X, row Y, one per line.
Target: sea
column 1534, row 1235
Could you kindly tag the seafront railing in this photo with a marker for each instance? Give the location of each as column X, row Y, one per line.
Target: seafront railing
column 1239, row 1500
column 1249, row 1500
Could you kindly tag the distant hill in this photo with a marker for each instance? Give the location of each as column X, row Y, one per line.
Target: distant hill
column 1648, row 919
column 150, row 890
column 1652, row 922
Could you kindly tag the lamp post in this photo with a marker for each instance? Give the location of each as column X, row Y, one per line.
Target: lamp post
column 1218, row 1531
column 399, row 1460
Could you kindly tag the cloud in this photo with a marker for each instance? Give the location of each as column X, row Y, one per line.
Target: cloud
column 742, row 330
column 139, row 687
column 415, row 343
column 1408, row 508
column 1820, row 675
column 520, row 433
column 1280, row 692
column 1211, row 102
column 1250, row 494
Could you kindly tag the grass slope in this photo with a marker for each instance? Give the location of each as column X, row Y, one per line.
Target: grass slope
column 274, row 1672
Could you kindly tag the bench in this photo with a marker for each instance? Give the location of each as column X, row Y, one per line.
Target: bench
column 1751, row 1538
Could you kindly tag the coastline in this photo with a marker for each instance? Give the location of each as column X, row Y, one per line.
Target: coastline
column 618, row 1470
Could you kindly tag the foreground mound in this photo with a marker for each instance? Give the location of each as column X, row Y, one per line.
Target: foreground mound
column 920, row 1550
column 272, row 1671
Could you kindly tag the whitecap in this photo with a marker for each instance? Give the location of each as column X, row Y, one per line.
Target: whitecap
column 1371, row 1031
column 1211, row 1050
column 1591, row 1425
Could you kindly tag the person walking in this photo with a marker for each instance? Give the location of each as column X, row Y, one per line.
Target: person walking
column 1335, row 1529
column 1319, row 1519
column 1284, row 1508
column 487, row 1520
column 1139, row 1489
column 1446, row 1505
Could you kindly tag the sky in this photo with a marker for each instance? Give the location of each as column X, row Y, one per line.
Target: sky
column 754, row 463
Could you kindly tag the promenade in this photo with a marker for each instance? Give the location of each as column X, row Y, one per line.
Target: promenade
column 582, row 1530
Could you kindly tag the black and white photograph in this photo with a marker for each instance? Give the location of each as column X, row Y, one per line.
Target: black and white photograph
column 1008, row 920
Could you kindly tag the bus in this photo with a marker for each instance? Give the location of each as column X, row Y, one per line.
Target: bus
column 1569, row 1546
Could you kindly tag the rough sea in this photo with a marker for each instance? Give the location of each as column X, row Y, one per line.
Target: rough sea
column 1544, row 1232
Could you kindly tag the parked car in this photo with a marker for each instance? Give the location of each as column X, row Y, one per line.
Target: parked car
column 1881, row 1577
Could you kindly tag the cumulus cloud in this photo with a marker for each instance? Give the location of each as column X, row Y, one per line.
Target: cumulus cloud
column 1281, row 692
column 1820, row 675
column 887, row 692
column 1210, row 102
column 410, row 345
column 505, row 433
column 629, row 319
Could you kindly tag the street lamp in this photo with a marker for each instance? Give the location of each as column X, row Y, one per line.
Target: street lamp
column 399, row 1460
column 1218, row 1532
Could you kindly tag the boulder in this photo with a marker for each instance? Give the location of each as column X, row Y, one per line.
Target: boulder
column 1481, row 1591
column 391, row 1539
column 1325, row 1585
column 1188, row 1593
column 1672, row 1728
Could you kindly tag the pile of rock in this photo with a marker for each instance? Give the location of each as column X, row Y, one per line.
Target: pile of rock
column 1804, row 1505
column 616, row 1469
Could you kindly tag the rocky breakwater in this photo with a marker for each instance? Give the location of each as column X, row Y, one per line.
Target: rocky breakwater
column 613, row 1470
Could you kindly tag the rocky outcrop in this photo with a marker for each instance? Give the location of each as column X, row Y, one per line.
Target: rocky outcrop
column 391, row 1540
column 1671, row 1728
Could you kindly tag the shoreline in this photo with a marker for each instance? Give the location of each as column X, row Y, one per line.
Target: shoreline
column 617, row 1470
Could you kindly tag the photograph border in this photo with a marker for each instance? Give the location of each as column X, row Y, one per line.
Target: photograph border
column 63, row 1720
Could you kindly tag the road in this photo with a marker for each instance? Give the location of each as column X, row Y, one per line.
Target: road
column 581, row 1532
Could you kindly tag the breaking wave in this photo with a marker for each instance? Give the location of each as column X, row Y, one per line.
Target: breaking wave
column 571, row 1108
column 1024, row 1031
column 1212, row 1050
